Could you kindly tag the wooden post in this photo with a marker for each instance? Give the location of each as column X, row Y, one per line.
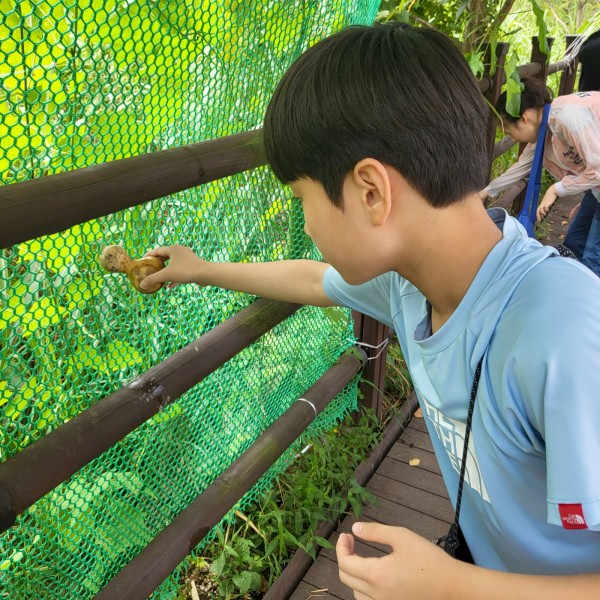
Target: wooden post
column 544, row 60
column 492, row 93
column 568, row 76
column 370, row 331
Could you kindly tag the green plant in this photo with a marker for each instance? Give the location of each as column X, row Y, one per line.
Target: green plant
column 398, row 384
column 254, row 548
column 237, row 568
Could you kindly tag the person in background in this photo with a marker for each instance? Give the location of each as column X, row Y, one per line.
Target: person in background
column 571, row 155
column 589, row 58
column 584, row 216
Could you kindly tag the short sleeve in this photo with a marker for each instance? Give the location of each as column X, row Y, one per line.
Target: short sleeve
column 579, row 128
column 559, row 379
column 371, row 298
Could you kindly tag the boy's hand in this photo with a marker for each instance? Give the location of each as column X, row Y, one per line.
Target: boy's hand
column 547, row 201
column 416, row 568
column 184, row 267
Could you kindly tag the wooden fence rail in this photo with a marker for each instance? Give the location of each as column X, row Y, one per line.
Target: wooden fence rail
column 45, row 464
column 50, row 204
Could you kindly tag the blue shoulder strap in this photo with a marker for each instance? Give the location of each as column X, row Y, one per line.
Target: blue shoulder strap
column 527, row 216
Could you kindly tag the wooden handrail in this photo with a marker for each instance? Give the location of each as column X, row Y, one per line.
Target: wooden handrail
column 530, row 69
column 50, row 204
column 43, row 465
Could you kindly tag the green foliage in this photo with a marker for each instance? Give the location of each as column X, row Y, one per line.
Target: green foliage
column 254, row 548
column 474, row 25
column 513, row 86
column 398, row 384
column 238, row 567
column 542, row 28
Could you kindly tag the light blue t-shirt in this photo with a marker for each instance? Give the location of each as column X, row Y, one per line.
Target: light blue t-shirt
column 531, row 499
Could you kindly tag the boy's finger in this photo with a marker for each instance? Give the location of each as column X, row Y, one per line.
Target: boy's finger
column 360, row 586
column 345, row 545
column 351, row 564
column 376, row 532
column 150, row 281
column 160, row 252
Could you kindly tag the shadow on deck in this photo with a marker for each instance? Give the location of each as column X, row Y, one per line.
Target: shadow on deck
column 411, row 496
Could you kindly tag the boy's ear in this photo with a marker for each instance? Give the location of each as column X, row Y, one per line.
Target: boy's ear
column 372, row 182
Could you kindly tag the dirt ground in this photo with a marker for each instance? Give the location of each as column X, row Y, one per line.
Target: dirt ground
column 555, row 224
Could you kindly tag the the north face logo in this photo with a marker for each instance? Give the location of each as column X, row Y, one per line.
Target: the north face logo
column 572, row 516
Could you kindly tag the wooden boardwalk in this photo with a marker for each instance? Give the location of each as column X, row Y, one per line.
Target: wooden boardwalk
column 411, row 496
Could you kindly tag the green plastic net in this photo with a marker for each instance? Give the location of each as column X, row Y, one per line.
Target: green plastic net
column 90, row 81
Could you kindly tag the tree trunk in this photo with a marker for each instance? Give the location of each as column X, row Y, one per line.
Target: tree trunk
column 480, row 25
column 476, row 25
column 579, row 14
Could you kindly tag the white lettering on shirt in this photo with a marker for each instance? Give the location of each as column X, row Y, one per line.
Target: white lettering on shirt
column 451, row 434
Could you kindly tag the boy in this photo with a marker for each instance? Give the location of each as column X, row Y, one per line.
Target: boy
column 380, row 132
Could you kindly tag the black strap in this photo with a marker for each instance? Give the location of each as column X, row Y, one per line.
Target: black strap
column 450, row 540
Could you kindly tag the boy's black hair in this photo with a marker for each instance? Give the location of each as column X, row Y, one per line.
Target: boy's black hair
column 535, row 94
column 401, row 95
column 589, row 57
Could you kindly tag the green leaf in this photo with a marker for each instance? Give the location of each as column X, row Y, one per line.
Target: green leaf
column 242, row 581
column 476, row 63
column 230, row 551
column 298, row 522
column 513, row 86
column 542, row 29
column 218, row 566
column 513, row 97
column 272, row 546
column 323, row 542
column 356, row 506
column 246, row 581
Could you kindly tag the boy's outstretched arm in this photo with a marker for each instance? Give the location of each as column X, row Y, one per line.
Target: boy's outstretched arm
column 419, row 570
column 298, row 281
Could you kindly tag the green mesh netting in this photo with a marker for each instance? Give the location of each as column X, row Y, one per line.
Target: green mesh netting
column 90, row 81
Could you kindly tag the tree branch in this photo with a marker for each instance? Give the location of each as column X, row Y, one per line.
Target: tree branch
column 502, row 14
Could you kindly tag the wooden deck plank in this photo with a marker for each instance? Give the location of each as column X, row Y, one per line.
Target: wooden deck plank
column 418, row 423
column 306, row 591
column 419, row 478
column 407, row 495
column 324, row 574
column 404, row 453
column 413, row 497
column 391, row 513
column 416, row 439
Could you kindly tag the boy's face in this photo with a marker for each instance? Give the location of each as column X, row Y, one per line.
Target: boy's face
column 342, row 236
